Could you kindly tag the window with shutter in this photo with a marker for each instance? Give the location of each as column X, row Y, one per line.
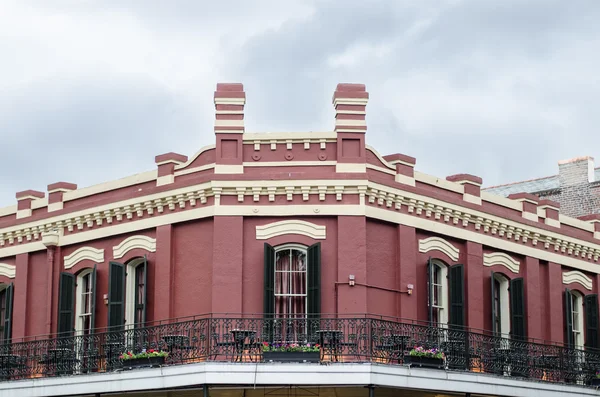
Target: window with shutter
column 66, row 304
column 140, row 288
column 568, row 304
column 591, row 321
column 84, row 301
column 517, row 309
column 269, row 287
column 116, row 295
column 457, row 295
column 314, row 281
column 6, row 303
column 437, row 286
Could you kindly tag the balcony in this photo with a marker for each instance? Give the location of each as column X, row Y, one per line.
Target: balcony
column 346, row 340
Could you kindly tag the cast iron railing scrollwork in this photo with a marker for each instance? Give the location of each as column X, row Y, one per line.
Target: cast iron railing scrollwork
column 240, row 339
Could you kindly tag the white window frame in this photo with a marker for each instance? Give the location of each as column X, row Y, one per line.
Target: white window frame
column 443, row 296
column 577, row 314
column 505, row 315
column 78, row 300
column 287, row 247
column 130, row 269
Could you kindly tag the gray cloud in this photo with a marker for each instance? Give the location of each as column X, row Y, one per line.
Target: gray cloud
column 92, row 91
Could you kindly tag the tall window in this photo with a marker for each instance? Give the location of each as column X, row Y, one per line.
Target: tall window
column 438, row 293
column 501, row 312
column 577, row 318
column 3, row 309
column 85, row 304
column 140, row 294
column 290, row 282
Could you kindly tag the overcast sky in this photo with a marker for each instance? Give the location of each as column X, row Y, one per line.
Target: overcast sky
column 92, row 90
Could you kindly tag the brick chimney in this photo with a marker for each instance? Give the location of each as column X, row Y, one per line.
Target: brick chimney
column 576, row 171
column 350, row 102
column 230, row 99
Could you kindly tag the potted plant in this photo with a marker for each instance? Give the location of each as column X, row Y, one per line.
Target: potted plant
column 291, row 352
column 146, row 358
column 595, row 381
column 429, row 358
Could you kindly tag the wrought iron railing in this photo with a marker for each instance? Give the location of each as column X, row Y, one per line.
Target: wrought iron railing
column 341, row 339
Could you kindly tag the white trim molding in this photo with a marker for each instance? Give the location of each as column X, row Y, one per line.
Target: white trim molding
column 502, row 259
column 438, row 243
column 8, row 270
column 292, row 226
column 133, row 242
column 84, row 253
column 576, row 276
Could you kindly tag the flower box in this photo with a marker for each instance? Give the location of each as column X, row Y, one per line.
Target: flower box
column 291, row 357
column 425, row 362
column 595, row 382
column 145, row 362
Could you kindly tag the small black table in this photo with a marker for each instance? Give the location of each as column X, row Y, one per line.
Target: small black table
column 243, row 339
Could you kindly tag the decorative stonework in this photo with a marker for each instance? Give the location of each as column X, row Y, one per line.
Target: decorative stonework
column 500, row 258
column 292, row 226
column 133, row 242
column 7, row 270
column 439, row 244
column 576, row 276
column 466, row 223
column 84, row 253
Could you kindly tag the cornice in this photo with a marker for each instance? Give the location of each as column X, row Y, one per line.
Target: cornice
column 25, row 237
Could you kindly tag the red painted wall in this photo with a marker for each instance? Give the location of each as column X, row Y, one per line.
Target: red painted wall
column 217, row 266
column 382, row 268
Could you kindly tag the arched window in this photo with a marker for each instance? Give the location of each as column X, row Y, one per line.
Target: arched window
column 85, row 305
column 127, row 293
column 446, row 298
column 438, row 296
column 291, row 279
column 500, row 305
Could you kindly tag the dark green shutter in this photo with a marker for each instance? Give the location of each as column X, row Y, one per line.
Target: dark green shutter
column 517, row 308
column 8, row 314
column 269, row 288
column 569, row 318
column 93, row 298
column 457, row 295
column 591, row 321
column 116, row 295
column 66, row 304
column 493, row 290
column 314, row 280
column 145, row 297
column 430, row 274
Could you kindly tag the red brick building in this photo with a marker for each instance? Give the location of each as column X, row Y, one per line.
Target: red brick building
column 301, row 227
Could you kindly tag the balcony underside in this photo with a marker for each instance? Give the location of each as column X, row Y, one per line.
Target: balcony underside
column 268, row 378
